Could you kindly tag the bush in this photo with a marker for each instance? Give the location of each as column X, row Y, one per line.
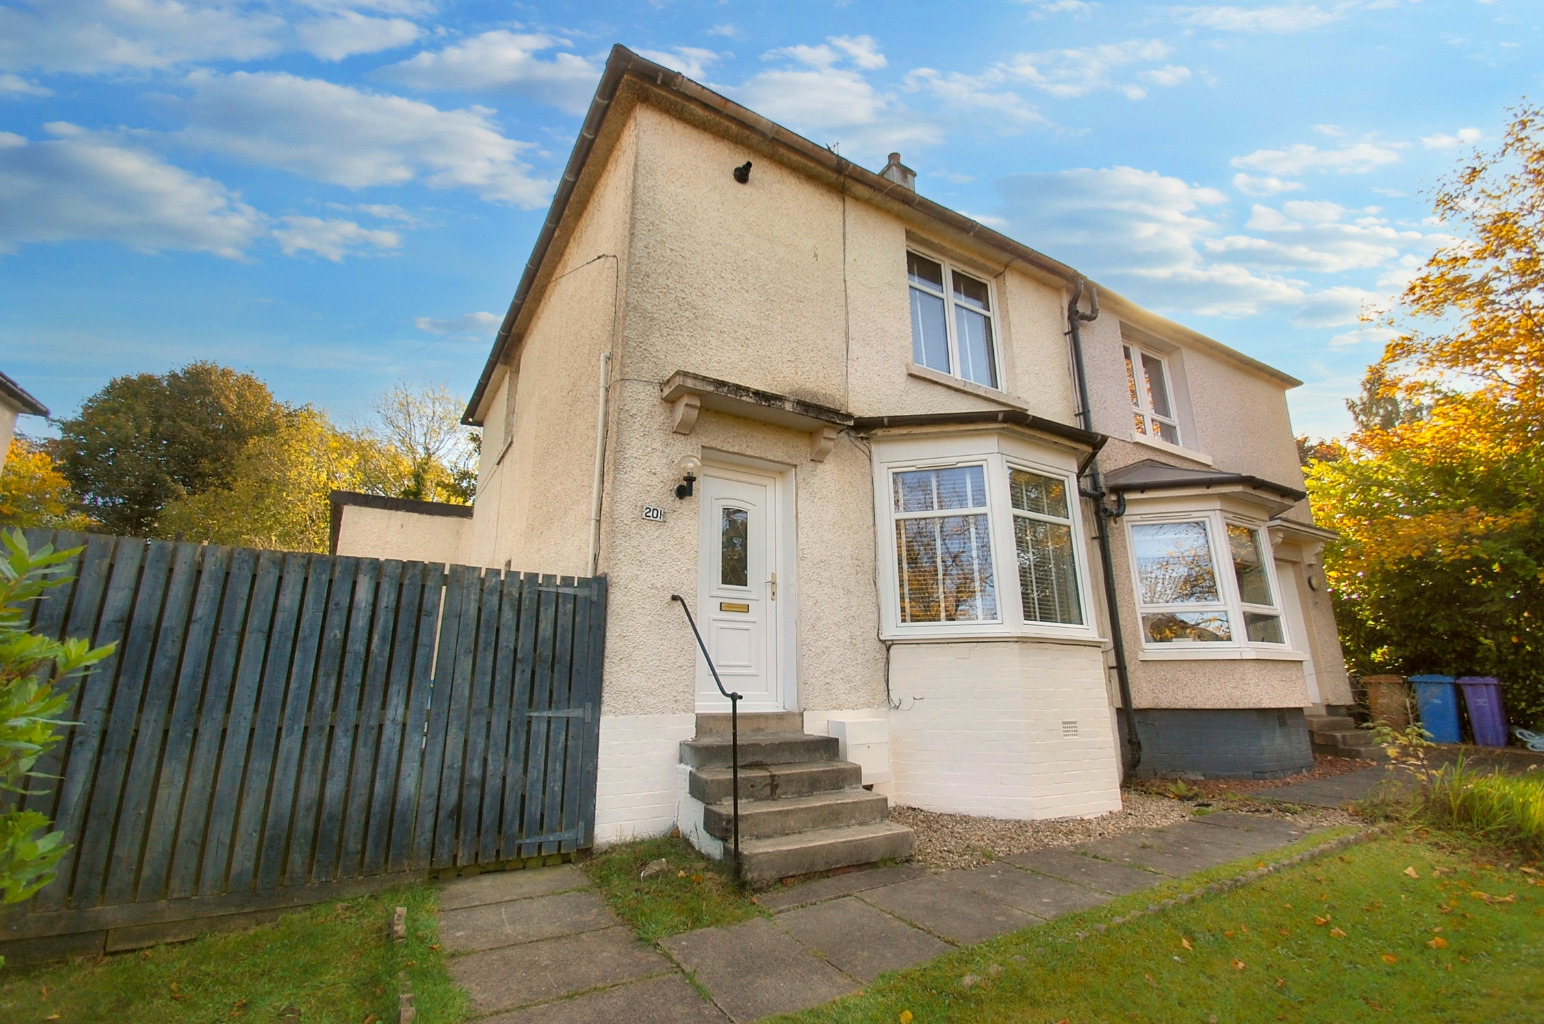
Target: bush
column 1507, row 809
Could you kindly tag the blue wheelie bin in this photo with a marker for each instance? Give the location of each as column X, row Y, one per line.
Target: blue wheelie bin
column 1438, row 702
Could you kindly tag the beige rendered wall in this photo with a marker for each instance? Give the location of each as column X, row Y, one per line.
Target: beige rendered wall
column 7, row 430
column 381, row 533
column 534, row 508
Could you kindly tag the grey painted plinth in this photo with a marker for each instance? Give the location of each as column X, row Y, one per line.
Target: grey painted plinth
column 858, row 939
column 754, row 970
column 667, row 1000
column 511, row 976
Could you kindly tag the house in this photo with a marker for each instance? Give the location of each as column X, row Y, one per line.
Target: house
column 922, row 486
column 14, row 402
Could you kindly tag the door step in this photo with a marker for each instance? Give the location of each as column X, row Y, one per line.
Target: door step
column 763, row 861
column 760, row 819
column 774, row 781
column 767, row 748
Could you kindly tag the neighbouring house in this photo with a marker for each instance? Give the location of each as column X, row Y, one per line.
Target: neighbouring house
column 935, row 500
column 14, row 402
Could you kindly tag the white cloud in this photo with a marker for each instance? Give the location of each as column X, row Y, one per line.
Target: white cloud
column 1168, row 75
column 1336, row 307
column 91, row 186
column 961, row 91
column 349, row 32
column 505, row 61
column 1364, row 335
column 1278, row 19
column 1313, row 235
column 1076, row 8
column 1358, row 158
column 330, row 239
column 1465, row 137
column 387, row 211
column 1266, row 186
column 1067, row 74
column 15, row 85
column 92, row 36
column 691, row 61
column 476, row 323
column 862, row 50
column 727, row 31
column 341, row 135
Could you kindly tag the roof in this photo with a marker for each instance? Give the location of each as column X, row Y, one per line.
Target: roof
column 1083, row 438
column 423, row 508
column 1150, row 475
column 858, row 181
column 14, row 394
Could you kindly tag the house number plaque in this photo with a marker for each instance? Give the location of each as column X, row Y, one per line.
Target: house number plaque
column 653, row 513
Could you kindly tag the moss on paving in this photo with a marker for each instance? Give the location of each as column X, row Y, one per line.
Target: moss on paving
column 693, row 892
column 1350, row 936
column 332, row 963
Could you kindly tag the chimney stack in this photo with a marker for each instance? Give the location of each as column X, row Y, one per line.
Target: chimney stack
column 899, row 173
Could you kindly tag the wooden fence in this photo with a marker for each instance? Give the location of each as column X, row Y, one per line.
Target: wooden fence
column 271, row 722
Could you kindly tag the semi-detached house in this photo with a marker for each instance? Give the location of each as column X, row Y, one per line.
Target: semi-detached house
column 949, row 502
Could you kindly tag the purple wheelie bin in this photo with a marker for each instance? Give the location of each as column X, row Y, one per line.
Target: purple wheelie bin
column 1483, row 696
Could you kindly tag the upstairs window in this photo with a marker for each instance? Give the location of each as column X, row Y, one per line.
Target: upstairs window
column 952, row 329
column 1152, row 403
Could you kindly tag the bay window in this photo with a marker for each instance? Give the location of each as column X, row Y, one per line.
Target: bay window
column 960, row 527
column 1204, row 580
column 952, row 321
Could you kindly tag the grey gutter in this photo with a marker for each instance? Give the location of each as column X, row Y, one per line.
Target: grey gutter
column 18, row 397
column 1085, row 438
column 1218, row 480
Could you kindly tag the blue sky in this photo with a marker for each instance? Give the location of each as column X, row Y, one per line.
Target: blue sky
column 335, row 194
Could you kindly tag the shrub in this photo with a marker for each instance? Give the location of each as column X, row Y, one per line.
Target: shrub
column 1508, row 809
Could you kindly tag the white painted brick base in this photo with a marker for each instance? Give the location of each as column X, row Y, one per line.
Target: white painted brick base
column 986, row 729
column 638, row 785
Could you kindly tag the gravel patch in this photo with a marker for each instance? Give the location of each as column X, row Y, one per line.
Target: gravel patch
column 949, row 841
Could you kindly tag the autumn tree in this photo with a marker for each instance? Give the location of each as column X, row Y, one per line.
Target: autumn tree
column 149, row 439
column 1440, row 562
column 423, row 424
column 34, row 493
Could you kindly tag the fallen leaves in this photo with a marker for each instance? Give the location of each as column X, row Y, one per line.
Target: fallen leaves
column 1390, row 958
column 1238, row 965
column 1337, row 933
column 1185, row 944
column 906, row 1017
column 1412, row 872
column 1438, row 943
column 1321, row 921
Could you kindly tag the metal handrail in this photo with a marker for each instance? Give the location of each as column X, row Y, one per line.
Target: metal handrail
column 734, row 729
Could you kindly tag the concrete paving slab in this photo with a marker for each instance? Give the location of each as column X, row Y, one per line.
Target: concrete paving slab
column 1243, row 840
column 501, row 886
column 1039, row 895
column 947, row 910
column 667, row 1000
column 858, row 939
column 835, row 886
column 512, row 976
column 1085, row 870
column 1264, row 824
column 1175, row 856
column 1333, row 792
column 505, row 924
column 755, row 970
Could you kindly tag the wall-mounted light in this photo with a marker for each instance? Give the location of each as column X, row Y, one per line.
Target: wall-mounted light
column 688, row 466
column 742, row 174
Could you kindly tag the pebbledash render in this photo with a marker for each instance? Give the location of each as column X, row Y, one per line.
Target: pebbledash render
column 891, row 526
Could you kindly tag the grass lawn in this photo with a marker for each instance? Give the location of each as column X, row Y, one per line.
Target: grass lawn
column 694, row 892
column 1399, row 929
column 332, row 963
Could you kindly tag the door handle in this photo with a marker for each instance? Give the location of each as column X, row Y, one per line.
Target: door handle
column 772, row 583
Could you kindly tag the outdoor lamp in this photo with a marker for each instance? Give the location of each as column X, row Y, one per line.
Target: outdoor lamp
column 688, row 466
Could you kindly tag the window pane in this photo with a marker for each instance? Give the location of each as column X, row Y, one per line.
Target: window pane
column 1048, row 578
column 1157, row 388
column 1139, row 422
column 732, row 532
column 1174, row 563
column 1179, row 627
column 970, row 292
column 974, row 332
column 1131, row 382
column 1166, row 432
column 927, row 490
column 1032, row 492
column 924, row 271
column 1254, row 586
column 929, row 342
column 1263, row 629
column 945, row 569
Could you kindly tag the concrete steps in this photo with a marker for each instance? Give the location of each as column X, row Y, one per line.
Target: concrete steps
column 1339, row 736
column 802, row 808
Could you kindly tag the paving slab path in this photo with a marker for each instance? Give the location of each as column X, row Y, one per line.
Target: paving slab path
column 540, row 945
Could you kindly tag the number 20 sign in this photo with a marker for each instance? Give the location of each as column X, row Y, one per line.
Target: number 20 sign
column 653, row 513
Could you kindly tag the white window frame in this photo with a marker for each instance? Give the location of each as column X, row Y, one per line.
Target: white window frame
column 1136, row 378
column 1010, row 621
column 951, row 331
column 992, row 554
column 1230, row 601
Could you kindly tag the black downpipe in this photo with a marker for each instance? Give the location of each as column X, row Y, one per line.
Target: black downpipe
column 1095, row 491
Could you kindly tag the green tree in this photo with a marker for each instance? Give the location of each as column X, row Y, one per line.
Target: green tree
column 1440, row 561
column 277, row 494
column 149, row 439
column 33, row 699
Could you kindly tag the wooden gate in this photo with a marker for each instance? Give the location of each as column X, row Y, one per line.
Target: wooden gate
column 273, row 721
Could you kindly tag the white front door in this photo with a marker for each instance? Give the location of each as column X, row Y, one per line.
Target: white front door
column 737, row 589
column 1297, row 625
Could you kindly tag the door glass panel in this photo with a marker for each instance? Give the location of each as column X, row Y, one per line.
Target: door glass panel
column 733, row 531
